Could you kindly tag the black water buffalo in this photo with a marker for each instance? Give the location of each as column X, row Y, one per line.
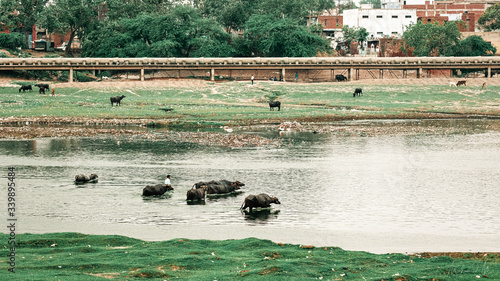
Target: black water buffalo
column 41, row 91
column 79, row 179
column 462, row 82
column 259, row 201
column 42, row 86
column 158, row 189
column 340, row 78
column 273, row 104
column 220, row 187
column 116, row 100
column 25, row 87
column 196, row 193
column 358, row 92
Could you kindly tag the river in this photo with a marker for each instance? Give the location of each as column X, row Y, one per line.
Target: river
column 389, row 193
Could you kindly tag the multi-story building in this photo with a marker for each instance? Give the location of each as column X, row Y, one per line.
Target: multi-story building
column 381, row 22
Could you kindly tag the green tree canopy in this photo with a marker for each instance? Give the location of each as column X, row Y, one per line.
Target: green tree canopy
column 182, row 32
column 490, row 20
column 432, row 39
column 282, row 37
column 74, row 16
column 29, row 14
column 356, row 34
column 474, row 46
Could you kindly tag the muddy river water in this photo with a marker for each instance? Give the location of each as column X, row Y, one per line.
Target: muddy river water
column 401, row 193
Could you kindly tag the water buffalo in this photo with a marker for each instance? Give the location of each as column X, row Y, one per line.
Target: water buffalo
column 158, row 189
column 340, row 78
column 196, row 193
column 273, row 104
column 79, row 179
column 259, row 201
column 116, row 100
column 25, row 87
column 462, row 82
column 220, row 187
column 42, row 86
column 357, row 91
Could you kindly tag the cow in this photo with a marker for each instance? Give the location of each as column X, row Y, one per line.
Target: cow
column 340, row 78
column 42, row 86
column 196, row 193
column 462, row 82
column 453, row 84
column 41, row 91
column 25, row 87
column 220, row 187
column 80, row 179
column 357, row 91
column 158, row 189
column 259, row 201
column 116, row 100
column 484, row 86
column 273, row 104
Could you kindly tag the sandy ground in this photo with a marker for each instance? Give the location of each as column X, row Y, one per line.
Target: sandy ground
column 195, row 83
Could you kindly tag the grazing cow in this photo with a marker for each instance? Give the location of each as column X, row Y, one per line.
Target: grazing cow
column 462, row 82
column 158, row 189
column 220, row 187
column 453, row 84
column 41, row 91
column 340, row 78
column 357, row 91
column 80, row 179
column 116, row 100
column 26, row 87
column 484, row 86
column 273, row 104
column 42, row 86
column 196, row 193
column 259, row 201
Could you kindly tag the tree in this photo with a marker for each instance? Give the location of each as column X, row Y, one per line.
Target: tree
column 490, row 20
column 28, row 13
column 182, row 32
column 119, row 9
column 431, row 39
column 474, row 46
column 282, row 37
column 74, row 16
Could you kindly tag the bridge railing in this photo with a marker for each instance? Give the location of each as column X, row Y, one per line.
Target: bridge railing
column 254, row 61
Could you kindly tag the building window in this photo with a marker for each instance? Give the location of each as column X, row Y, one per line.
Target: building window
column 394, row 33
column 408, row 16
column 394, row 17
column 380, row 33
column 365, row 16
column 337, row 22
column 379, row 16
column 428, row 20
column 325, row 22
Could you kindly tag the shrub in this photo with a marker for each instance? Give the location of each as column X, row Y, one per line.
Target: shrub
column 12, row 40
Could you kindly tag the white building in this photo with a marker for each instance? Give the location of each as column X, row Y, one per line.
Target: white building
column 381, row 22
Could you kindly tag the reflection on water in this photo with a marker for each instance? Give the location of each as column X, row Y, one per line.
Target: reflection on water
column 420, row 183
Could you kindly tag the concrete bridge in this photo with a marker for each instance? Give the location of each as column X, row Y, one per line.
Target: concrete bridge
column 282, row 65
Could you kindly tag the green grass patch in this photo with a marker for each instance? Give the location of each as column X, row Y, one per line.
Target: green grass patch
column 73, row 256
column 233, row 101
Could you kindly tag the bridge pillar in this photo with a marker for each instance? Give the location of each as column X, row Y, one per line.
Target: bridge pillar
column 350, row 74
column 283, row 72
column 212, row 74
column 142, row 74
column 381, row 74
column 70, row 76
column 419, row 72
column 489, row 72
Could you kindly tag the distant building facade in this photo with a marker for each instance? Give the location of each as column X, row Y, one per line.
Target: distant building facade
column 381, row 23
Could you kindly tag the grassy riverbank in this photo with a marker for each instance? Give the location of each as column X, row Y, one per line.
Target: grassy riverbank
column 72, row 256
column 233, row 103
